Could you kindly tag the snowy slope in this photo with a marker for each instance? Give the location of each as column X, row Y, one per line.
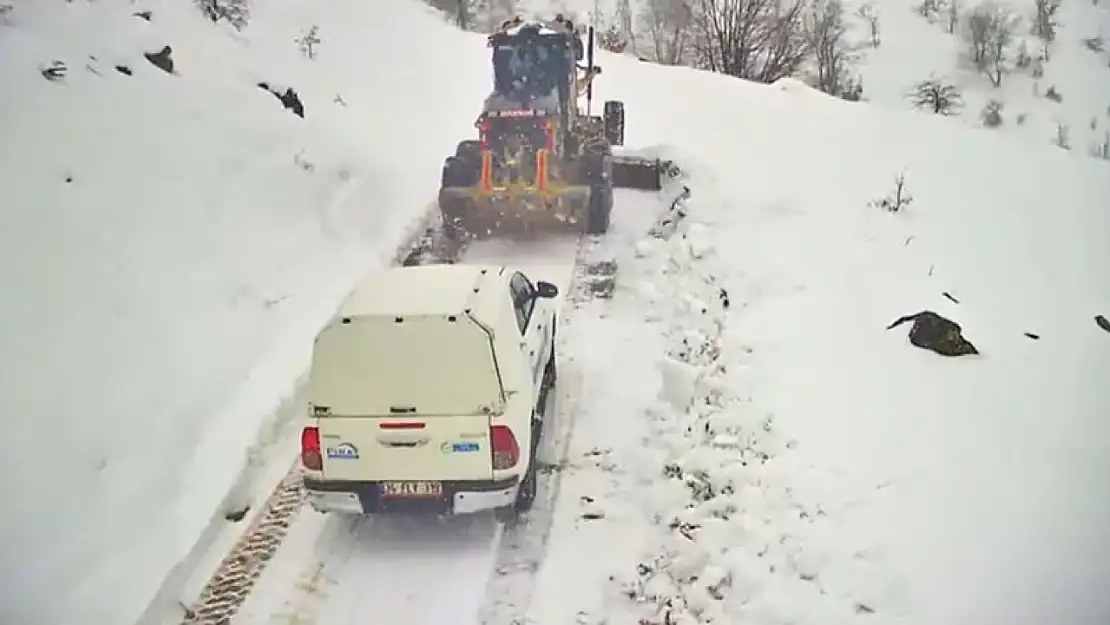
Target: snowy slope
column 170, row 245
column 899, row 486
column 751, row 445
column 882, row 483
column 914, row 48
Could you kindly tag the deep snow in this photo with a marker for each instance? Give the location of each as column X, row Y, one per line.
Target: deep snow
column 171, row 244
column 159, row 305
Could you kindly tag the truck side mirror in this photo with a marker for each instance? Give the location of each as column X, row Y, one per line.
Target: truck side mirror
column 546, row 290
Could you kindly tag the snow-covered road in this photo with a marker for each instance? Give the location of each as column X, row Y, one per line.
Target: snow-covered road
column 310, row 568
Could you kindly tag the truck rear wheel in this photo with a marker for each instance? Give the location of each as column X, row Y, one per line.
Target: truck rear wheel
column 526, row 496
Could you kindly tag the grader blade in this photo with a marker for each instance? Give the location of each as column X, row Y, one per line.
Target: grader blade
column 635, row 172
column 514, row 211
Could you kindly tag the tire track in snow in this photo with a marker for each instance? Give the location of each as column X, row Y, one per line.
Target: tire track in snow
column 509, row 592
column 236, row 574
column 234, row 578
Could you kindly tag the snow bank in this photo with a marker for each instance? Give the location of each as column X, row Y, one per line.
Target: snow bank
column 171, row 243
column 957, row 491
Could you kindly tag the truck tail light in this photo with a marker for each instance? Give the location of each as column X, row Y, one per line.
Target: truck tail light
column 310, row 449
column 505, row 449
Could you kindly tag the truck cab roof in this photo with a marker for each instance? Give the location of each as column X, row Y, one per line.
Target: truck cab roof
column 430, row 290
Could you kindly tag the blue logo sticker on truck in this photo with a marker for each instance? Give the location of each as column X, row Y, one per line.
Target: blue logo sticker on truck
column 343, row 451
column 459, row 447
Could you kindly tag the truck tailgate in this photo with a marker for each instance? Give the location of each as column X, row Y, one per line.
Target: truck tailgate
column 406, row 448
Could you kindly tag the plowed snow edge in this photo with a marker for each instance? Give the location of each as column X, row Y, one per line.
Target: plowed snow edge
column 235, row 576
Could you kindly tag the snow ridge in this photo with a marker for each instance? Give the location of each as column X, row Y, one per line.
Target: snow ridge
column 736, row 543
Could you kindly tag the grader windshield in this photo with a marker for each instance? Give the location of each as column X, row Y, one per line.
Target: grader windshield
column 531, row 65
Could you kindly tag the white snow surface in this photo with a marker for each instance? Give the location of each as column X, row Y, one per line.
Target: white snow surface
column 168, row 256
column 170, row 246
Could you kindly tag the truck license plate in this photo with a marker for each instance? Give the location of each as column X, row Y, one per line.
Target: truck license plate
column 411, row 489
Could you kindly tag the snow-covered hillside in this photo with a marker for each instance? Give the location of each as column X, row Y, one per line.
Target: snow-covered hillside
column 1055, row 92
column 171, row 243
column 1055, row 81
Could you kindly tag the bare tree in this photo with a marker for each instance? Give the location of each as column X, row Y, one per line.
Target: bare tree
column 623, row 18
column 827, row 32
column 489, row 14
column 760, row 40
column 234, row 12
column 866, row 12
column 938, row 97
column 461, row 12
column 1044, row 19
column 929, row 9
column 989, row 34
column 955, row 9
column 666, row 24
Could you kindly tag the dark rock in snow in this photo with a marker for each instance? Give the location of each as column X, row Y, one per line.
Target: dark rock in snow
column 123, row 69
column 143, row 15
column 1102, row 322
column 236, row 515
column 288, row 98
column 161, row 59
column 936, row 333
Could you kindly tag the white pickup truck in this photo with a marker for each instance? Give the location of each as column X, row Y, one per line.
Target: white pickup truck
column 427, row 393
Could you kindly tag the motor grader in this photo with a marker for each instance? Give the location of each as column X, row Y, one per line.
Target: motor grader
column 541, row 161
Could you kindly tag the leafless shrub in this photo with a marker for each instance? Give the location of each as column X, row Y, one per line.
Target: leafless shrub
column 897, row 199
column 992, row 114
column 234, row 12
column 1063, row 137
column 1101, row 149
column 760, row 40
column 300, row 161
column 1044, row 19
column 866, row 12
column 611, row 39
column 989, row 34
column 938, row 97
column 308, row 42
